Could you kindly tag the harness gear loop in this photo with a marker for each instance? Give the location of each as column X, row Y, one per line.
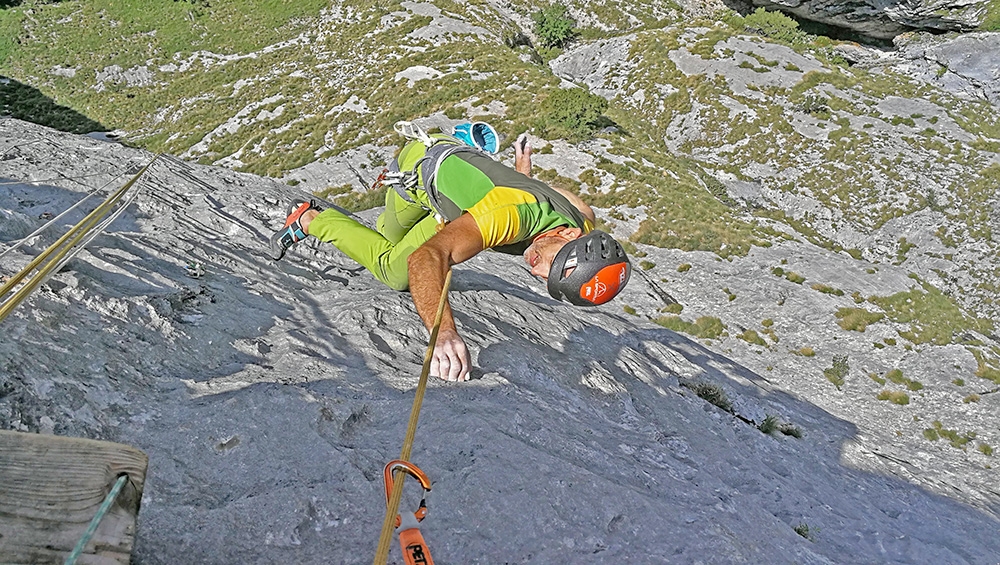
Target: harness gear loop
column 416, row 473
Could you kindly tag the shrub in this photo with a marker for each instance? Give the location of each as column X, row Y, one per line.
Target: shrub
column 790, row 430
column 770, row 424
column 804, row 530
column 775, row 25
column 814, row 104
column 553, row 26
column 838, row 371
column 646, row 265
column 573, row 113
column 713, row 394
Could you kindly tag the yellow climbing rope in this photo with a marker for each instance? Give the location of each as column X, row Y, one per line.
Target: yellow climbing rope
column 60, row 249
column 399, row 476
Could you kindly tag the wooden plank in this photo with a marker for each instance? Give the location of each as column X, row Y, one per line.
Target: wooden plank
column 50, row 489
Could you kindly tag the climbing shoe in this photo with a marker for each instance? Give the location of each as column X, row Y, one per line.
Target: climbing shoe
column 292, row 232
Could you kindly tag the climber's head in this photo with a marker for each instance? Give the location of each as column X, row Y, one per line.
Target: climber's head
column 585, row 270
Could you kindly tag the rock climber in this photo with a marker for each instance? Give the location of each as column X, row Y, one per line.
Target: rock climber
column 446, row 201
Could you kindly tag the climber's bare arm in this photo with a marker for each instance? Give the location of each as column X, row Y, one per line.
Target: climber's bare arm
column 458, row 241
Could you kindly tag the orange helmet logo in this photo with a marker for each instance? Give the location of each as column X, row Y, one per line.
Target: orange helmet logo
column 605, row 284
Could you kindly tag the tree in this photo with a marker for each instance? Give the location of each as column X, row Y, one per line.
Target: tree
column 553, row 26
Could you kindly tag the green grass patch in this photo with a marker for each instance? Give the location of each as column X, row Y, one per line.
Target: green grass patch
column 896, row 376
column 359, row 201
column 896, row 397
column 788, row 275
column 673, row 308
column 705, row 327
column 991, row 21
column 713, row 394
column 31, row 105
column 987, row 367
column 825, row 289
column 956, row 439
column 752, row 337
column 856, row 319
column 933, row 317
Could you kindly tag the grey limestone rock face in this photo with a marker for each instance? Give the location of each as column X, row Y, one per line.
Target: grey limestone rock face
column 269, row 395
column 966, row 64
column 884, row 19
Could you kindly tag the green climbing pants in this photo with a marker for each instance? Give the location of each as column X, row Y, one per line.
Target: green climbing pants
column 402, row 228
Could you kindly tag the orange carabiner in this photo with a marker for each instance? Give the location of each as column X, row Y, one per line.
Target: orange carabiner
column 415, row 551
column 380, row 181
column 416, row 473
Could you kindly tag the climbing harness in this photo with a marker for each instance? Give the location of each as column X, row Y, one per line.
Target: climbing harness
column 423, row 173
column 395, row 494
column 411, row 541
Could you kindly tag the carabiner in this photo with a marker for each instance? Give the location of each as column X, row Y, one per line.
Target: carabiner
column 380, row 181
column 416, row 473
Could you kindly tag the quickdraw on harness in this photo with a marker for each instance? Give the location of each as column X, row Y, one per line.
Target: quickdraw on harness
column 424, row 172
column 411, row 541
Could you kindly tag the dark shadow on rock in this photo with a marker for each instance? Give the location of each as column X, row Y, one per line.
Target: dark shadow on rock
column 18, row 100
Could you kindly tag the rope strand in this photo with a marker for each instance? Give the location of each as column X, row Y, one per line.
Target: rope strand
column 399, row 477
